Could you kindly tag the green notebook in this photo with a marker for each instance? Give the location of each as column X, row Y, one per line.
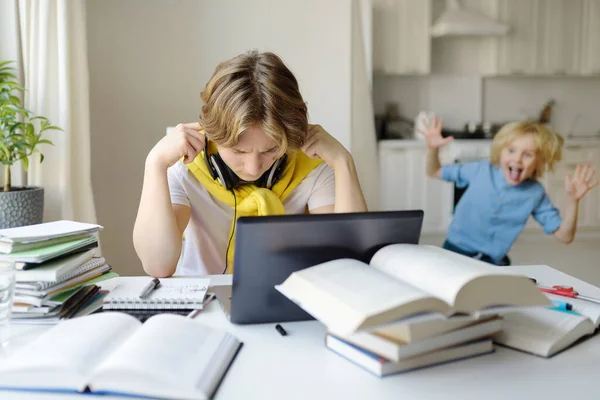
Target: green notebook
column 47, row 253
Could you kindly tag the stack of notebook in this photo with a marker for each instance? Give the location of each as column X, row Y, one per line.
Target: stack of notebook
column 57, row 269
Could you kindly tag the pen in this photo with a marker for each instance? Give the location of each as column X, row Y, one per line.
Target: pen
column 280, row 329
column 152, row 285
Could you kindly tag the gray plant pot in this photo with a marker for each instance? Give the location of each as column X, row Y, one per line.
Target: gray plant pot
column 21, row 206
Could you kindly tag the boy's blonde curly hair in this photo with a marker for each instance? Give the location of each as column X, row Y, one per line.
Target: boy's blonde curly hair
column 548, row 144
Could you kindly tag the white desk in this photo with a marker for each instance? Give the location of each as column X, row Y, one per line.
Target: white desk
column 298, row 366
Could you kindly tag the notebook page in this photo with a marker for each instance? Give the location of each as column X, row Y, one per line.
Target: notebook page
column 175, row 356
column 176, row 292
column 74, row 346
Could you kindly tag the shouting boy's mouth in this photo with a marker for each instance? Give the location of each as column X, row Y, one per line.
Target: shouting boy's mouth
column 514, row 173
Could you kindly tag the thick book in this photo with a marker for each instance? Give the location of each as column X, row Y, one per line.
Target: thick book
column 168, row 356
column 404, row 280
column 397, row 350
column 435, row 325
column 542, row 331
column 380, row 366
column 545, row 332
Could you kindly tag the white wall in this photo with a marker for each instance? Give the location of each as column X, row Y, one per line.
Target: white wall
column 149, row 60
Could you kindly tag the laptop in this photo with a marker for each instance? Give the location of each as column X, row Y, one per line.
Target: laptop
column 269, row 249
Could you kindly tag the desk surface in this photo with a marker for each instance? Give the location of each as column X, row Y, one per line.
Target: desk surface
column 298, row 366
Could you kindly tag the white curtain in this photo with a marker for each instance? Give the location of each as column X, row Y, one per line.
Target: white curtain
column 55, row 72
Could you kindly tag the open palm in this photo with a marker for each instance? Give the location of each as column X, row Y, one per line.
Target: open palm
column 433, row 133
column 581, row 183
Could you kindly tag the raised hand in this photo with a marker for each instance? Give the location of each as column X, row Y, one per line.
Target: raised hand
column 581, row 183
column 320, row 144
column 184, row 141
column 433, row 133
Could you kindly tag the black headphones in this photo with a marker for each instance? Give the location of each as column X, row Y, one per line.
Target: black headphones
column 229, row 180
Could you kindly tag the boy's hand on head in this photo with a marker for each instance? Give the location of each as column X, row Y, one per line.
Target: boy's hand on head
column 581, row 183
column 320, row 144
column 184, row 141
column 433, row 133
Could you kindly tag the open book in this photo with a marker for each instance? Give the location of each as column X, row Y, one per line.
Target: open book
column 546, row 332
column 169, row 356
column 403, row 280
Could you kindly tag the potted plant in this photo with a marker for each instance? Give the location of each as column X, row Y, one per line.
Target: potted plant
column 20, row 134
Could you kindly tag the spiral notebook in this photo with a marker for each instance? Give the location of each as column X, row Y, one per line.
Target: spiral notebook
column 173, row 293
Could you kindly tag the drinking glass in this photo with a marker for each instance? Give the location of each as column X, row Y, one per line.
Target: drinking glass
column 7, row 287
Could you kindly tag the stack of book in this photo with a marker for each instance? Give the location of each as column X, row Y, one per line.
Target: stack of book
column 411, row 307
column 56, row 270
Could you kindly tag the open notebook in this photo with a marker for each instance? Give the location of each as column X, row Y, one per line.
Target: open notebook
column 168, row 356
column 173, row 293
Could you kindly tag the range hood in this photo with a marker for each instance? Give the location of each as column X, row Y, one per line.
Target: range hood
column 459, row 21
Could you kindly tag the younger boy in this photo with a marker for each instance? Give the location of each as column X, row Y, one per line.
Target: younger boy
column 502, row 193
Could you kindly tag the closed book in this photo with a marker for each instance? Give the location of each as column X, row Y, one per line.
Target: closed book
column 396, row 350
column 55, row 270
column 46, row 230
column 380, row 366
column 47, row 253
column 168, row 356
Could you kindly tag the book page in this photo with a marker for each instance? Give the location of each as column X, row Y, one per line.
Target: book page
column 434, row 270
column 343, row 293
column 170, row 356
column 542, row 331
column 71, row 349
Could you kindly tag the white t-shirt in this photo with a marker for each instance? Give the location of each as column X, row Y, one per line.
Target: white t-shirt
column 208, row 231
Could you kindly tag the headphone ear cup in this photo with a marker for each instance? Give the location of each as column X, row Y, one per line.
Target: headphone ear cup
column 223, row 173
column 272, row 175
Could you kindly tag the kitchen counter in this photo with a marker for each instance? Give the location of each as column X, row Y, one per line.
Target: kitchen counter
column 420, row 143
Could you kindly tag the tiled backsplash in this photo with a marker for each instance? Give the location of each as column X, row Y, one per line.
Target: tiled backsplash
column 459, row 99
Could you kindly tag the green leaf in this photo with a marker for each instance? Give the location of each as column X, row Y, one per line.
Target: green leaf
column 41, row 158
column 45, row 141
column 5, row 150
column 25, row 162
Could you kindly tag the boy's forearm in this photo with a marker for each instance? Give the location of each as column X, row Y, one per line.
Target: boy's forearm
column 348, row 193
column 156, row 236
column 567, row 229
column 433, row 162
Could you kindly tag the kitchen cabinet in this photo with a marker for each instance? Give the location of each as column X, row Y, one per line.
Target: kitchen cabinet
column 559, row 28
column 401, row 41
column 516, row 52
column 590, row 38
column 406, row 186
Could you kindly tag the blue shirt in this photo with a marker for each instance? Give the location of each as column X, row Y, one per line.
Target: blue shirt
column 491, row 213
